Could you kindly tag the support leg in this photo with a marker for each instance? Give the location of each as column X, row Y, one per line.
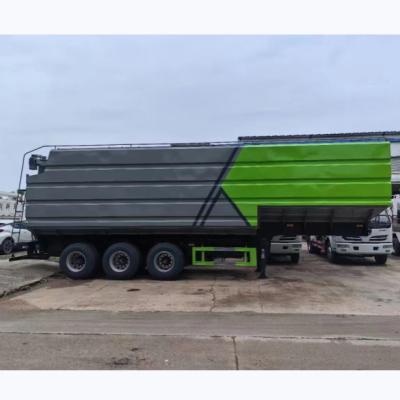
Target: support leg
column 265, row 244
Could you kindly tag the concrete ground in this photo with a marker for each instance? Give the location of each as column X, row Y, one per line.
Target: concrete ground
column 314, row 286
column 313, row 315
column 106, row 340
column 22, row 274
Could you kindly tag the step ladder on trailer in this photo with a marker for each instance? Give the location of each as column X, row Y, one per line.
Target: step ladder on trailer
column 19, row 213
column 19, row 217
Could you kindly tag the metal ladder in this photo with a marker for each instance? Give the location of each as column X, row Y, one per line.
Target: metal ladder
column 19, row 212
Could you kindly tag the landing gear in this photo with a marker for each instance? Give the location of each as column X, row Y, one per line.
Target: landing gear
column 263, row 256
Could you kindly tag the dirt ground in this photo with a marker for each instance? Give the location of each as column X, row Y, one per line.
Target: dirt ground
column 314, row 286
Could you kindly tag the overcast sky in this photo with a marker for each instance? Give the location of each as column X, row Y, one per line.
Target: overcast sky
column 114, row 89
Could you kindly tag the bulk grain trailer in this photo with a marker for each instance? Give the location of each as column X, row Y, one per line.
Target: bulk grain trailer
column 166, row 206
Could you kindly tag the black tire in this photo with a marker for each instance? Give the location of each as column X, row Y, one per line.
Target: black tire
column 7, row 246
column 79, row 260
column 295, row 258
column 121, row 261
column 165, row 261
column 312, row 249
column 380, row 259
column 332, row 255
column 396, row 246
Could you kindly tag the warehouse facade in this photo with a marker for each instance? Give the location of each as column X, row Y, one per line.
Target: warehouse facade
column 7, row 205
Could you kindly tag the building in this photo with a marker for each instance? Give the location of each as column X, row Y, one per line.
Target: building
column 392, row 137
column 7, row 205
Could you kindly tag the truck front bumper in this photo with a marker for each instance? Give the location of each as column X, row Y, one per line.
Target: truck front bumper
column 364, row 249
column 285, row 248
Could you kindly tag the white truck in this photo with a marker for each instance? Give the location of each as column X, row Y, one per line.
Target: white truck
column 377, row 244
column 395, row 214
column 287, row 246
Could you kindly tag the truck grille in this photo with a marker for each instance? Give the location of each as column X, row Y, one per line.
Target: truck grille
column 378, row 238
column 352, row 238
column 287, row 238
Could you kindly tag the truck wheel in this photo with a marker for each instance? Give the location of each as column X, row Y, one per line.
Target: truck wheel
column 332, row 255
column 380, row 259
column 312, row 249
column 7, row 246
column 165, row 261
column 295, row 258
column 396, row 246
column 121, row 261
column 79, row 260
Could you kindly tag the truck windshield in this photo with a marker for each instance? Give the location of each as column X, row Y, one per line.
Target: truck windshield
column 380, row 221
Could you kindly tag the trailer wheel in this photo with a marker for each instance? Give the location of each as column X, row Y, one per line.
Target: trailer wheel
column 380, row 259
column 165, row 261
column 121, row 261
column 79, row 260
column 295, row 258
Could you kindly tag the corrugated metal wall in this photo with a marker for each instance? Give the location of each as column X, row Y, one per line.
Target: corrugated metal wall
column 164, row 187
column 315, row 174
column 202, row 186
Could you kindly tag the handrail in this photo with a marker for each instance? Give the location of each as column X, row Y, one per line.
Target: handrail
column 19, row 194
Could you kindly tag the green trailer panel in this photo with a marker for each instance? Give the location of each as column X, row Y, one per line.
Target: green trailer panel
column 320, row 174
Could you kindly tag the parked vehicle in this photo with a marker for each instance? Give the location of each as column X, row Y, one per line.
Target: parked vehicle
column 14, row 235
column 377, row 244
column 168, row 206
column 395, row 211
column 287, row 246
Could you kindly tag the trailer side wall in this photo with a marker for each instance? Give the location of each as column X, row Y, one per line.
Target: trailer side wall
column 214, row 187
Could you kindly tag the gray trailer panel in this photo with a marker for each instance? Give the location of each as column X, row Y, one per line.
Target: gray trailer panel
column 168, row 187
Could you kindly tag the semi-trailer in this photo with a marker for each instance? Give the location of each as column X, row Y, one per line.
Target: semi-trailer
column 162, row 207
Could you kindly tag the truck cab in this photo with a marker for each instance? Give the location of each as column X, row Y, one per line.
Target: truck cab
column 377, row 244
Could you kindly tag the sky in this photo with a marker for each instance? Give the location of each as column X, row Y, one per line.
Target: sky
column 145, row 89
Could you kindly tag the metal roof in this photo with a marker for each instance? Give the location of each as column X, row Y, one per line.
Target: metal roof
column 386, row 135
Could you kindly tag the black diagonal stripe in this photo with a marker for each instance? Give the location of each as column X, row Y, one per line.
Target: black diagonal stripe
column 214, row 189
column 236, row 208
column 211, row 206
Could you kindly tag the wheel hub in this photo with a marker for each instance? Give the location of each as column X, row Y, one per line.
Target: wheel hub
column 165, row 261
column 76, row 261
column 119, row 261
